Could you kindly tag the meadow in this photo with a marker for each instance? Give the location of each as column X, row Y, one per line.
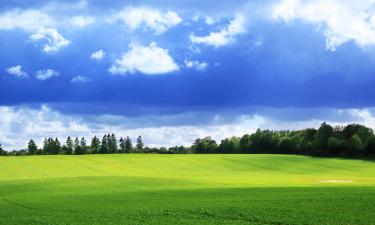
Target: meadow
column 186, row 189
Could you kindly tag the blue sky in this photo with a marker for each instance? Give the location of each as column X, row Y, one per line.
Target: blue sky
column 173, row 72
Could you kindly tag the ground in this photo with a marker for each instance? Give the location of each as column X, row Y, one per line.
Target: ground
column 186, row 189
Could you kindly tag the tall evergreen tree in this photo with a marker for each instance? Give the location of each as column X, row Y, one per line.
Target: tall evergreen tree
column 51, row 146
column 112, row 143
column 32, row 148
column 77, row 147
column 104, row 145
column 122, row 145
column 128, row 144
column 83, row 145
column 140, row 143
column 95, row 145
column 57, row 146
column 69, row 146
column 45, row 146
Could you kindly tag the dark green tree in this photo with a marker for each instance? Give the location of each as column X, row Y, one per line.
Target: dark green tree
column 45, row 146
column 245, row 143
column 360, row 130
column 77, row 147
column 95, row 145
column 56, row 146
column 370, row 146
column 84, row 149
column 140, row 143
column 122, row 148
column 68, row 147
column 263, row 141
column 128, row 145
column 307, row 143
column 325, row 131
column 178, row 150
column 364, row 133
column 32, row 148
column 286, row 145
column 51, row 146
column 112, row 143
column 355, row 146
column 104, row 145
column 204, row 145
column 229, row 145
column 335, row 146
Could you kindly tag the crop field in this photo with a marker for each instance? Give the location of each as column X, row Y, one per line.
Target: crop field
column 186, row 189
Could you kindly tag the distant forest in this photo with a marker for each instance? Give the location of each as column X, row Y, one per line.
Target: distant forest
column 353, row 140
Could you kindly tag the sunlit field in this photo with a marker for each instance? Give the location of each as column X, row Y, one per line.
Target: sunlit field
column 186, row 189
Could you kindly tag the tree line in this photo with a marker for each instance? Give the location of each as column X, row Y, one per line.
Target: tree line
column 79, row 146
column 353, row 140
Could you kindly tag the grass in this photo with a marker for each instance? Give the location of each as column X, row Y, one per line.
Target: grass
column 185, row 189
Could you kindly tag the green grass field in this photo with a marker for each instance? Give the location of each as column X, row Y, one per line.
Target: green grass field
column 186, row 189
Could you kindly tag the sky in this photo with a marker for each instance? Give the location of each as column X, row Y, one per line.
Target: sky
column 173, row 72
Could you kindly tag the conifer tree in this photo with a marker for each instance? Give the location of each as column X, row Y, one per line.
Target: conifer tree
column 83, row 145
column 140, row 144
column 45, row 146
column 104, row 145
column 128, row 144
column 95, row 145
column 56, row 146
column 122, row 145
column 32, row 148
column 77, row 147
column 112, row 143
column 69, row 146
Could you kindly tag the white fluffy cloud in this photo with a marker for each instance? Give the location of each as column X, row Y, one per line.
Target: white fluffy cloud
column 200, row 66
column 80, row 79
column 18, row 124
column 147, row 18
column 98, row 55
column 46, row 74
column 39, row 25
column 43, row 25
column 148, row 60
column 340, row 20
column 52, row 40
column 28, row 20
column 223, row 37
column 17, row 71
